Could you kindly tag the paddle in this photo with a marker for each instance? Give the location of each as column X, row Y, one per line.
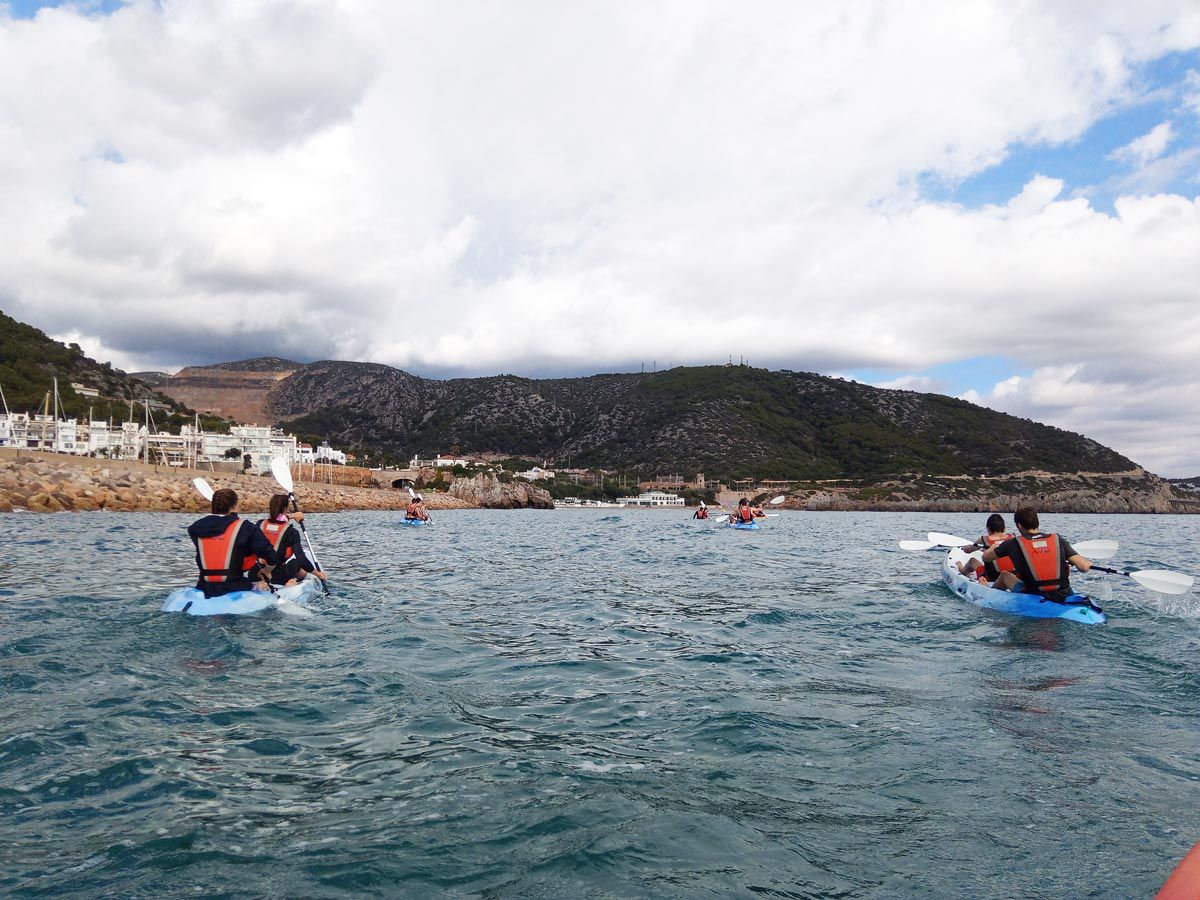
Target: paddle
column 939, row 539
column 917, row 545
column 1155, row 579
column 1094, row 550
column 204, row 488
column 283, row 474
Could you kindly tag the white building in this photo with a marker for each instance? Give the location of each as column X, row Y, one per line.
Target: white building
column 438, row 462
column 536, row 473
column 653, row 498
column 262, row 442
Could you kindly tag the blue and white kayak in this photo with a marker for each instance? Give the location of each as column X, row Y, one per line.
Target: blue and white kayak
column 292, row 600
column 414, row 522
column 1081, row 609
column 746, row 526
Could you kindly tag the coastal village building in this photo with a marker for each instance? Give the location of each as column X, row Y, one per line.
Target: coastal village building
column 536, row 473
column 129, row 440
column 652, row 499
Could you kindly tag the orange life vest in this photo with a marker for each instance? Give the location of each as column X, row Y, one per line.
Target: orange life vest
column 1002, row 563
column 274, row 532
column 702, row 513
column 216, row 555
column 1043, row 559
column 746, row 514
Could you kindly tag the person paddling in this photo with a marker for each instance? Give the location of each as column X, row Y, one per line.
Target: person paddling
column 277, row 527
column 996, row 535
column 416, row 509
column 227, row 547
column 1041, row 562
column 745, row 513
column 701, row 513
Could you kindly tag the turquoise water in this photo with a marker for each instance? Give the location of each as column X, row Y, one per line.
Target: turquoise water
column 591, row 703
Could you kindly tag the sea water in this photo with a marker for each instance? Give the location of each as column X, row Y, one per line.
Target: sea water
column 591, row 704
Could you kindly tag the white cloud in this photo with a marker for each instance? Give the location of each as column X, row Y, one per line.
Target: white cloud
column 571, row 188
column 1149, row 146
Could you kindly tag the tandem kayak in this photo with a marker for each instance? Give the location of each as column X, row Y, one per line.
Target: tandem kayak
column 1080, row 609
column 746, row 526
column 291, row 600
column 415, row 522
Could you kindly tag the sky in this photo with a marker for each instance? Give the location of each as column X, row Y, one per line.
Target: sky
column 995, row 200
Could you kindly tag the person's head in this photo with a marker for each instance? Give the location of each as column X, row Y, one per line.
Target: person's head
column 1027, row 518
column 224, row 502
column 418, row 499
column 744, row 502
column 995, row 523
column 278, row 505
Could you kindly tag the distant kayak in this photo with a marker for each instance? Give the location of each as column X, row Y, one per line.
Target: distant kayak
column 290, row 600
column 1083, row 610
column 414, row 522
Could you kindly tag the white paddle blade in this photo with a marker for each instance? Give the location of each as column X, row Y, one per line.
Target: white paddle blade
column 1097, row 550
column 203, row 487
column 917, row 545
column 775, row 501
column 703, row 505
column 719, row 519
column 938, row 539
column 282, row 472
column 1163, row 581
column 412, row 493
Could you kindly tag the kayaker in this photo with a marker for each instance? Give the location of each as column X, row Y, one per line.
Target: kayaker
column 1041, row 562
column 416, row 509
column 227, row 547
column 995, row 535
column 701, row 513
column 277, row 527
column 745, row 513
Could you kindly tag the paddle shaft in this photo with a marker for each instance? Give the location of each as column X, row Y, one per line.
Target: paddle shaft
column 307, row 540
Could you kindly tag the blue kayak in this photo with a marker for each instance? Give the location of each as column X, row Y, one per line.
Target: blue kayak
column 414, row 522
column 746, row 526
column 1079, row 609
column 291, row 600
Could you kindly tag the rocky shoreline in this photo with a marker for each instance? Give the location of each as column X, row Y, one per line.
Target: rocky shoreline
column 41, row 482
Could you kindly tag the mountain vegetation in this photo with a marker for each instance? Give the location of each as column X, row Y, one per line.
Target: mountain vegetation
column 30, row 361
column 726, row 421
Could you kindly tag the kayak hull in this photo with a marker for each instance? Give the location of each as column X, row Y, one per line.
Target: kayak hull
column 291, row 600
column 1084, row 612
column 414, row 523
column 747, row 526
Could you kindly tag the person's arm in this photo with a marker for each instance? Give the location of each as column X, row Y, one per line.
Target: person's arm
column 1082, row 563
column 292, row 539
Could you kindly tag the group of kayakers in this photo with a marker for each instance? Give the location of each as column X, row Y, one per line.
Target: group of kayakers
column 235, row 554
column 1028, row 562
column 743, row 515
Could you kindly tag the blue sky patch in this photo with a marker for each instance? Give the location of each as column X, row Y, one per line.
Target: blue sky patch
column 1086, row 165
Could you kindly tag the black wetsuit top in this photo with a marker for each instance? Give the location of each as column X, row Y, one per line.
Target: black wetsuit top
column 247, row 541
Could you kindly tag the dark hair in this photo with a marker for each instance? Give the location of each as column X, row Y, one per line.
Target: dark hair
column 1026, row 518
column 223, row 501
column 995, row 523
column 278, row 505
column 743, row 502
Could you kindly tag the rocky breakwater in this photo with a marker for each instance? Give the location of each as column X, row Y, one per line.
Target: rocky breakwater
column 57, row 483
column 489, row 492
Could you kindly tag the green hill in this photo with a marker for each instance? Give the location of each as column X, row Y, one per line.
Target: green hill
column 725, row 421
column 30, row 361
